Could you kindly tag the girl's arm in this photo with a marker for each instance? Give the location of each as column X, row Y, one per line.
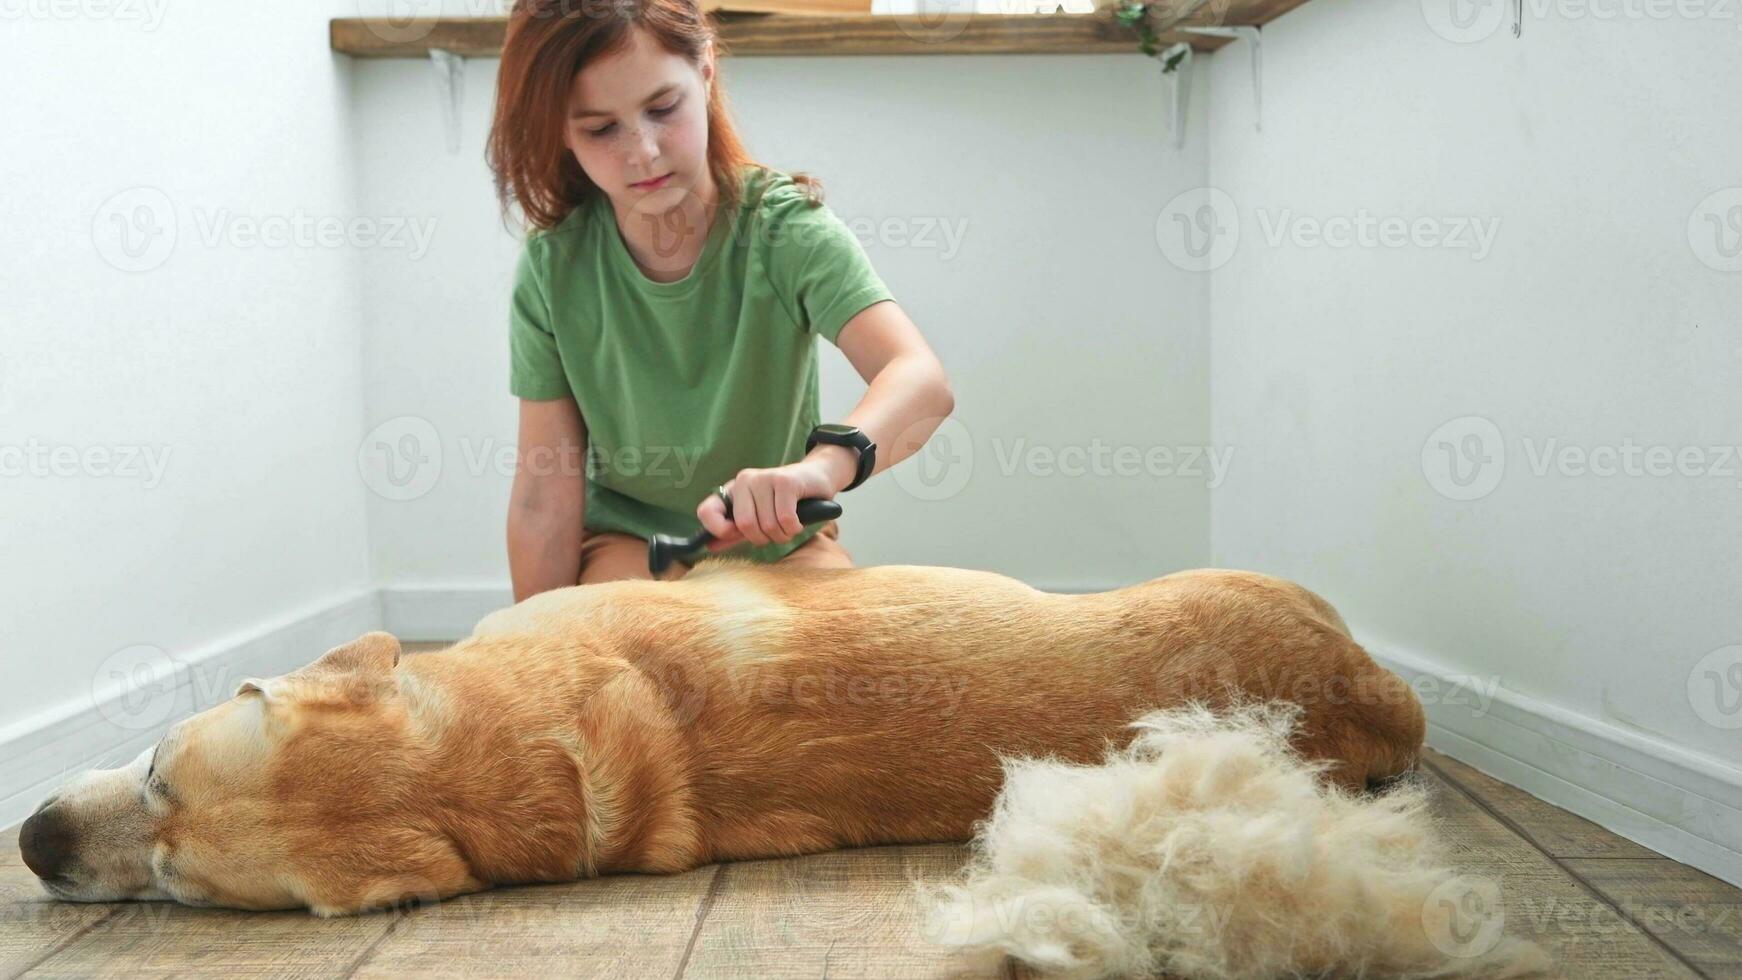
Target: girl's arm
column 548, row 501
column 908, row 397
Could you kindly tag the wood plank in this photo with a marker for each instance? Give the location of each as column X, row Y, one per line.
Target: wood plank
column 1553, row 829
column 161, row 939
column 34, row 926
column 1692, row 912
column 850, row 913
column 789, row 34
column 619, row 926
column 841, row 914
column 1542, row 902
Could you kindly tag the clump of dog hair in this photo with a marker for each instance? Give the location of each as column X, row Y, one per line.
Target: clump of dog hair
column 1209, row 849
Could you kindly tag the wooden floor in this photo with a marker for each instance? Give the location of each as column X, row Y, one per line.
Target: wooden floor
column 1603, row 907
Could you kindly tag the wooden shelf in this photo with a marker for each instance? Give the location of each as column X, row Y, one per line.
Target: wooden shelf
column 860, row 34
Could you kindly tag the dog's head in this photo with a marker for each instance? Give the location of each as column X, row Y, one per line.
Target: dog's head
column 300, row 791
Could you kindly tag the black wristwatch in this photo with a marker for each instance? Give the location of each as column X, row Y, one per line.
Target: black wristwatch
column 835, row 434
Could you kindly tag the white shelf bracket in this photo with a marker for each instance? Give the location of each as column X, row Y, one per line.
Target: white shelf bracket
column 1254, row 38
column 1176, row 68
column 450, row 84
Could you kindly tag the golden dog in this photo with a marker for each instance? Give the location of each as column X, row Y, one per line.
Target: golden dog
column 743, row 711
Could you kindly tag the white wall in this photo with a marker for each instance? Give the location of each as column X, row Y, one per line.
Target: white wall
column 236, row 366
column 1058, row 326
column 1597, row 319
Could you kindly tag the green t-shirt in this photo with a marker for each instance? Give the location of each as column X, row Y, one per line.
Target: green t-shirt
column 683, row 384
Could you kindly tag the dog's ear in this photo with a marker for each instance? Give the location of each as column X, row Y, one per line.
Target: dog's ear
column 375, row 652
column 255, row 685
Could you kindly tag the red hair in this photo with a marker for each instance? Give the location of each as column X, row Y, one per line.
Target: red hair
column 548, row 43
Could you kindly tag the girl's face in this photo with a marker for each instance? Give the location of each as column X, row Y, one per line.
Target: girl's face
column 642, row 114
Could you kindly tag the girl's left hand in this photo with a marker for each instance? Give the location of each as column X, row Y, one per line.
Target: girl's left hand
column 764, row 504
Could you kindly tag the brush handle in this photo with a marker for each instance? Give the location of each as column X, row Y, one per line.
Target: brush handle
column 663, row 549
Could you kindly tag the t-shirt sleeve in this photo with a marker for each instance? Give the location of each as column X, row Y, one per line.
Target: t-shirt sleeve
column 821, row 270
column 535, row 367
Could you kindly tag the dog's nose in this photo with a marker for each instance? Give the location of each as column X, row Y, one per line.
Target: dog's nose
column 46, row 842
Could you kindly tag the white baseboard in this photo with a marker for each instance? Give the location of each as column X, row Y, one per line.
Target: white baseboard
column 104, row 729
column 1684, row 805
column 429, row 612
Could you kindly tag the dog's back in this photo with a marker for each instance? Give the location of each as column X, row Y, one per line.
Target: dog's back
column 862, row 706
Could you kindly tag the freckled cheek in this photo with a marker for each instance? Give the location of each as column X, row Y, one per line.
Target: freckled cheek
column 601, row 162
column 683, row 145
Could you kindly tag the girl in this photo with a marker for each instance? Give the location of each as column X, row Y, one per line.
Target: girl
column 666, row 307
